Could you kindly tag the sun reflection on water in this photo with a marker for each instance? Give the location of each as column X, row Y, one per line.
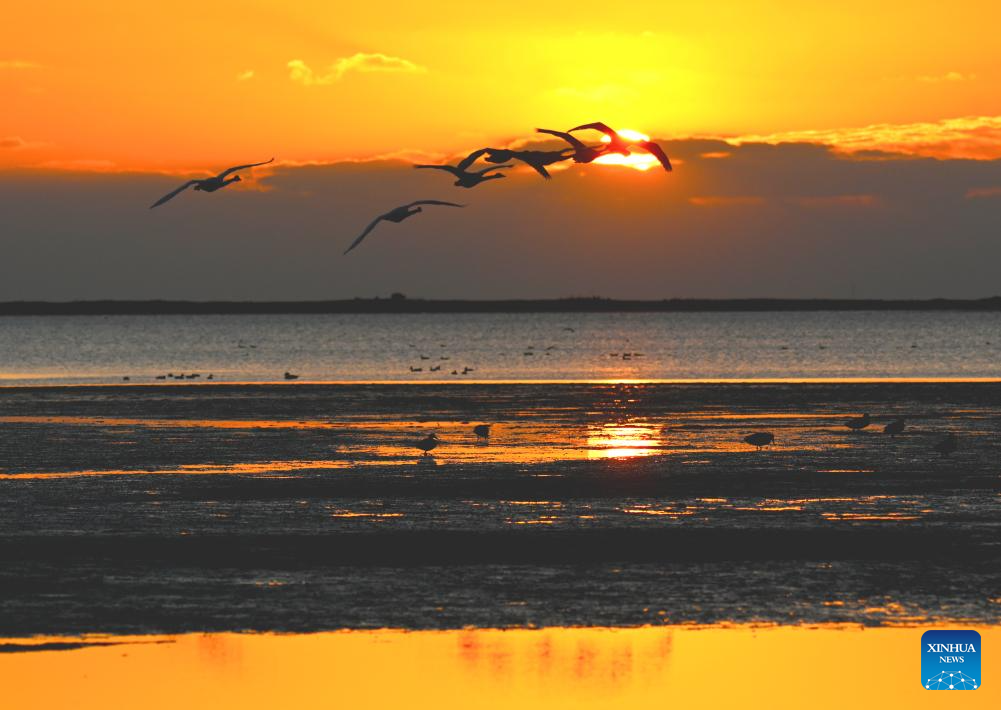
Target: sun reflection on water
column 628, row 440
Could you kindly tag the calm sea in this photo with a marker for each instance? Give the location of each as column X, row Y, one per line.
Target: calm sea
column 505, row 347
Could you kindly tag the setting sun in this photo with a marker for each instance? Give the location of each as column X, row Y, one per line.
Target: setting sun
column 638, row 161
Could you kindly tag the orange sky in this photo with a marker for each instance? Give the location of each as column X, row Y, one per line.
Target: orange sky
column 194, row 84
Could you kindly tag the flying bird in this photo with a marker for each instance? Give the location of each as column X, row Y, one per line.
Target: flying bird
column 398, row 214
column 538, row 159
column 210, row 184
column 466, row 177
column 583, row 153
column 618, row 144
column 759, row 439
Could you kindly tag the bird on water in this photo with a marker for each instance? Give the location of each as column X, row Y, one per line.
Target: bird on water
column 948, row 445
column 858, row 423
column 427, row 444
column 482, row 431
column 210, row 184
column 895, row 427
column 760, row 439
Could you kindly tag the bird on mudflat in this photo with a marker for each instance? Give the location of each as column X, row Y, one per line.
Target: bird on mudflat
column 427, row 444
column 622, row 146
column 537, row 159
column 210, row 184
column 858, row 423
column 760, row 439
column 583, row 153
column 895, row 427
column 947, row 445
column 398, row 214
column 482, row 431
column 465, row 176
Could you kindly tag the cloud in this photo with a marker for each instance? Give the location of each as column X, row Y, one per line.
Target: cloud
column 245, row 75
column 976, row 193
column 974, row 137
column 952, row 76
column 18, row 143
column 18, row 64
column 779, row 220
column 834, row 201
column 361, row 62
column 726, row 200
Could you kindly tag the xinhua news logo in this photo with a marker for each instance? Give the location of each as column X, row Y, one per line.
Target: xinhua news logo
column 950, row 660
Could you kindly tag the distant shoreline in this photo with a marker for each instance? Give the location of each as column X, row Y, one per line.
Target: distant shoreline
column 556, row 305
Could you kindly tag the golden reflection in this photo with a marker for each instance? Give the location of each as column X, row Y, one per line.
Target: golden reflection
column 624, row 441
column 579, row 668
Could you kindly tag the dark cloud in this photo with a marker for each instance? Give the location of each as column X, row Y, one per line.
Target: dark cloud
column 786, row 220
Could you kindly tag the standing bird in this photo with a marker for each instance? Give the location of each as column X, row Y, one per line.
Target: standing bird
column 210, row 184
column 397, row 215
column 583, row 153
column 759, row 439
column 948, row 445
column 482, row 431
column 427, row 444
column 618, row 144
column 858, row 423
column 538, row 159
column 467, row 178
column 895, row 427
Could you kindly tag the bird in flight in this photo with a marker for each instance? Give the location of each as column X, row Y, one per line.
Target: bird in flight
column 398, row 214
column 618, row 144
column 583, row 153
column 210, row 184
column 538, row 159
column 466, row 177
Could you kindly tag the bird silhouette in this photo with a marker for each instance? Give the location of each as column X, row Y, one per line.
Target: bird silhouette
column 858, row 423
column 482, row 431
column 895, row 427
column 290, row 376
column 760, row 439
column 398, row 214
column 538, row 159
column 618, row 144
column 210, row 184
column 466, row 177
column 427, row 444
column 948, row 445
column 583, row 153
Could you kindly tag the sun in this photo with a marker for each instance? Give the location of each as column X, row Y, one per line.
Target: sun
column 636, row 161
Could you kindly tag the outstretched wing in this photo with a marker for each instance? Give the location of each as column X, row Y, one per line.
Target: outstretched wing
column 450, row 168
column 364, row 234
column 471, row 158
column 175, row 193
column 490, row 168
column 565, row 136
column 539, row 168
column 597, row 126
column 433, row 202
column 657, row 152
column 234, row 169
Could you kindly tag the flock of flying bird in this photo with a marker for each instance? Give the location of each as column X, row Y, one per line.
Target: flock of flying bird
column 498, row 160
